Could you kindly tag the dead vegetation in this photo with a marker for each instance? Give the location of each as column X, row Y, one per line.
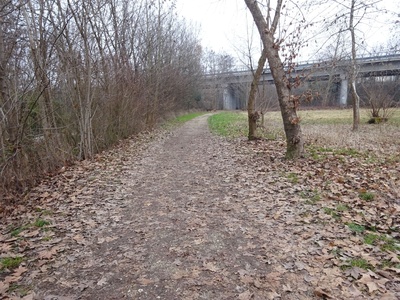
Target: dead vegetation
column 189, row 215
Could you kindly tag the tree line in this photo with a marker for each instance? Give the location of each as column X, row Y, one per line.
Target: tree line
column 77, row 76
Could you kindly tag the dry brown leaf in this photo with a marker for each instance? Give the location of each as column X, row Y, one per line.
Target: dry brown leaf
column 4, row 287
column 5, row 248
column 365, row 278
column 389, row 296
column 179, row 274
column 19, row 271
column 79, row 238
column 272, row 295
column 372, row 287
column 211, row 267
column 322, row 293
column 28, row 297
column 145, row 281
column 245, row 295
column 355, row 292
column 31, row 234
column 48, row 254
column 246, row 279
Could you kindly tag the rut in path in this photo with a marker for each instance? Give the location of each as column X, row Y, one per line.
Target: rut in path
column 183, row 220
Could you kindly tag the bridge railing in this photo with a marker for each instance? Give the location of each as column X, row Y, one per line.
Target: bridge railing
column 311, row 63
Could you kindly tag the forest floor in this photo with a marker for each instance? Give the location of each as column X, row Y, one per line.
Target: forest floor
column 190, row 215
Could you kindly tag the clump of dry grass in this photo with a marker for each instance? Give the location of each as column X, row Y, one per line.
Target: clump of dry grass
column 333, row 129
column 382, row 139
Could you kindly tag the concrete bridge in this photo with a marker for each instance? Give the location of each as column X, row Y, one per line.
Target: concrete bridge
column 233, row 94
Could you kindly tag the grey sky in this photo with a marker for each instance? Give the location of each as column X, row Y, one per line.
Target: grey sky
column 223, row 24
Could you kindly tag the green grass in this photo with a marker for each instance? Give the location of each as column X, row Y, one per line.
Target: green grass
column 20, row 290
column 389, row 244
column 10, row 262
column 367, row 196
column 41, row 223
column 321, row 153
column 16, row 231
column 371, row 239
column 229, row 124
column 357, row 262
column 293, row 177
column 234, row 124
column 360, row 263
column 312, row 197
column 188, row 117
column 182, row 119
column 342, row 207
column 354, row 227
column 331, row 212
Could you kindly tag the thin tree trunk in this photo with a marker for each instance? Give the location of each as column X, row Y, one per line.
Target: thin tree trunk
column 251, row 111
column 38, row 49
column 353, row 72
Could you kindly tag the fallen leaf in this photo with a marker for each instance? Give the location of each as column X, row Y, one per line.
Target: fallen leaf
column 272, row 295
column 389, row 296
column 355, row 292
column 4, row 287
column 145, row 281
column 102, row 281
column 79, row 239
column 211, row 267
column 322, row 294
column 372, row 287
column 48, row 254
column 354, row 272
column 245, row 295
column 19, row 271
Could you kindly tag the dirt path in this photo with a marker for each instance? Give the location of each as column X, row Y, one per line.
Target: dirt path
column 185, row 228
column 186, row 217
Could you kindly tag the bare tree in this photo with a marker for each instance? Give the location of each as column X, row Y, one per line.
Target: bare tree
column 267, row 27
column 252, row 114
column 349, row 16
column 380, row 94
column 75, row 77
column 353, row 70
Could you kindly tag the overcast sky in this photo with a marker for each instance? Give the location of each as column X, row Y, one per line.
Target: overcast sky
column 223, row 24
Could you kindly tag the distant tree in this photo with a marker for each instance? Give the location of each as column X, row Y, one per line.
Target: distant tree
column 214, row 62
column 348, row 16
column 213, row 65
column 380, row 94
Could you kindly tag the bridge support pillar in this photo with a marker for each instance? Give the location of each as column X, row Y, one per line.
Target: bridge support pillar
column 228, row 99
column 344, row 83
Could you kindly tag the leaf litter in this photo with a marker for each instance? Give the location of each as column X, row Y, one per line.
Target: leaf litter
column 189, row 215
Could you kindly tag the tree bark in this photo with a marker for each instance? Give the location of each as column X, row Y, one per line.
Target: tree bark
column 251, row 104
column 287, row 103
column 353, row 72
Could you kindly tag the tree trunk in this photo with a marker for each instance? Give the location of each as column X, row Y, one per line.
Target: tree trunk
column 287, row 103
column 251, row 111
column 353, row 72
column 38, row 50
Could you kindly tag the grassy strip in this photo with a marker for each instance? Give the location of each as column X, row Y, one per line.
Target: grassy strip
column 234, row 124
column 229, row 124
column 188, row 117
column 182, row 119
column 342, row 116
